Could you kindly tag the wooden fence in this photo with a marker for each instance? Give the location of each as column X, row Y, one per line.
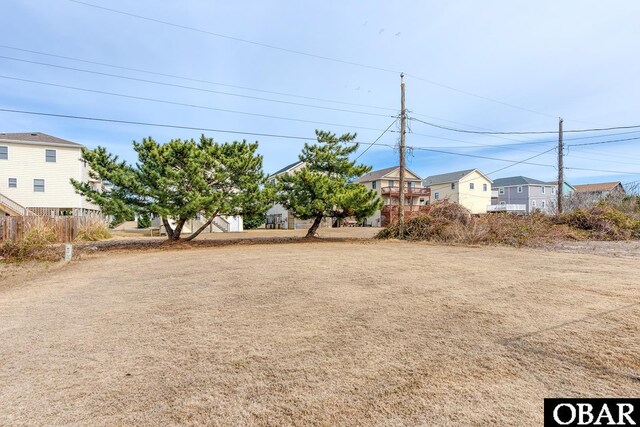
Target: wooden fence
column 64, row 228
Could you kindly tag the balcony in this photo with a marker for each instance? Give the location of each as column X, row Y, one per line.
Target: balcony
column 507, row 208
column 408, row 191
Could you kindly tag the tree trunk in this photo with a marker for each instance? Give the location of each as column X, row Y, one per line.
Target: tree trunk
column 168, row 228
column 178, row 230
column 314, row 227
column 194, row 234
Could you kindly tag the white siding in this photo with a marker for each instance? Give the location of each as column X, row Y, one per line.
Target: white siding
column 26, row 162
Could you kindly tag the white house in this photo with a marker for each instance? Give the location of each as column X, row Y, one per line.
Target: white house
column 35, row 173
column 279, row 217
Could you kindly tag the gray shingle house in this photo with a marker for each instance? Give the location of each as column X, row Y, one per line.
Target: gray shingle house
column 523, row 195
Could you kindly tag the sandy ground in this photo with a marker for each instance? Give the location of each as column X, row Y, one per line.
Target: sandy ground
column 319, row 333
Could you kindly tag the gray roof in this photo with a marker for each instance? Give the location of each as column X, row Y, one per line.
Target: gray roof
column 516, row 180
column 380, row 173
column 447, row 177
column 37, row 138
column 286, row 168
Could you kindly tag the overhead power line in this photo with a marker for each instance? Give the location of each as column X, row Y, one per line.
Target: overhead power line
column 377, row 139
column 307, row 54
column 192, row 87
column 163, row 125
column 604, row 142
column 174, row 76
column 524, row 132
column 184, row 104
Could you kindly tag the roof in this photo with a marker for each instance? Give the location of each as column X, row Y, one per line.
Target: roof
column 287, row 168
column 380, row 173
column 38, row 138
column 600, row 186
column 518, row 180
column 450, row 177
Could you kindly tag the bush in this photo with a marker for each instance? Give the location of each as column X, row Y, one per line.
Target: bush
column 144, row 220
column 35, row 244
column 603, row 222
column 451, row 223
column 93, row 228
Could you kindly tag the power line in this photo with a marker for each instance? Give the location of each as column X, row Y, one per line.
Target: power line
column 182, row 104
column 162, row 125
column 174, row 76
column 604, row 170
column 377, row 139
column 191, row 87
column 307, row 54
column 604, row 142
column 237, row 39
column 525, row 132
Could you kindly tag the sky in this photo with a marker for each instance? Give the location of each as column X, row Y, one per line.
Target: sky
column 494, row 65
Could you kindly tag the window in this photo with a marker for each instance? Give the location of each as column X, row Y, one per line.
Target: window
column 390, row 183
column 502, row 203
column 543, row 190
column 472, row 186
column 520, row 189
column 543, row 204
column 484, row 187
column 453, row 185
column 4, row 152
column 409, row 184
column 553, row 190
column 421, row 201
column 13, row 182
column 436, row 196
column 373, row 184
column 533, row 203
column 501, row 190
column 50, row 156
column 38, row 185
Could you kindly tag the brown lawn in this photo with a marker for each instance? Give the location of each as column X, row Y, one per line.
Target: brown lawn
column 321, row 333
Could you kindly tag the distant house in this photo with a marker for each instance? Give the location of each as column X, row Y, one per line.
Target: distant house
column 600, row 190
column 386, row 182
column 470, row 188
column 567, row 189
column 278, row 216
column 35, row 174
column 520, row 194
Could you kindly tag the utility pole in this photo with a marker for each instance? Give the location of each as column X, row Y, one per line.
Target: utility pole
column 560, row 166
column 403, row 119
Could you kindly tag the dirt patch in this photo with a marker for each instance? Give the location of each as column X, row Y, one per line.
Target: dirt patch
column 339, row 333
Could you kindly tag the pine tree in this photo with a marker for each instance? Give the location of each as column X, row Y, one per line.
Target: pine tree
column 179, row 180
column 325, row 187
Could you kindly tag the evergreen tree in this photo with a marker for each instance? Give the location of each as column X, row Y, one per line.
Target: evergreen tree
column 325, row 187
column 178, row 180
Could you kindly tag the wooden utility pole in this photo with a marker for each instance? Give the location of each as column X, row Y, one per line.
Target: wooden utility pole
column 560, row 166
column 403, row 118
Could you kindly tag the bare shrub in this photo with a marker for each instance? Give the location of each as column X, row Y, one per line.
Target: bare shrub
column 93, row 228
column 451, row 223
column 35, row 244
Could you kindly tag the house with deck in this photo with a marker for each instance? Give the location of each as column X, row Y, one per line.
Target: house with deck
column 523, row 195
column 386, row 182
column 280, row 217
column 470, row 188
column 35, row 174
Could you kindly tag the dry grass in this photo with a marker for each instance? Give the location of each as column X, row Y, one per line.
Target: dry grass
column 378, row 333
column 446, row 222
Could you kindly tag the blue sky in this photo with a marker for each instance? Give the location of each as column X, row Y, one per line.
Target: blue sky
column 575, row 59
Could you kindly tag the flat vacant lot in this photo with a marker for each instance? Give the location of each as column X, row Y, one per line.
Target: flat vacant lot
column 320, row 333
